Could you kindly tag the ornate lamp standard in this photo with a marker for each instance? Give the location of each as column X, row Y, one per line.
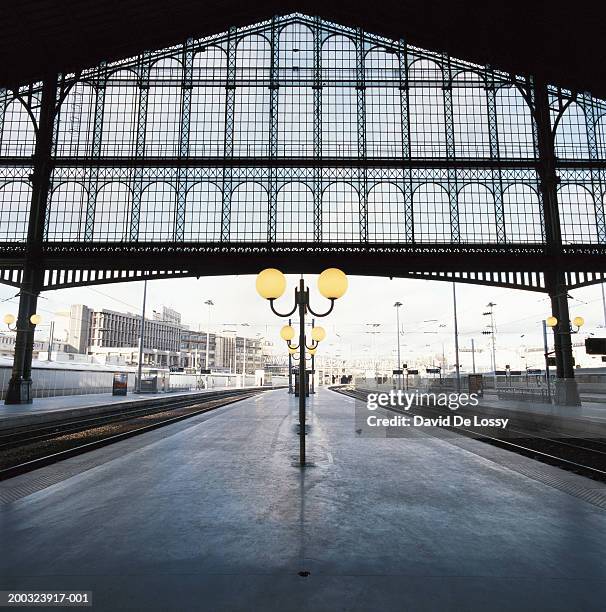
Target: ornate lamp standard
column 9, row 320
column 317, row 335
column 561, row 329
column 271, row 284
column 21, row 379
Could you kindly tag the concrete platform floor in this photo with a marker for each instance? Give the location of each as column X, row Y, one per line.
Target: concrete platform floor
column 209, row 514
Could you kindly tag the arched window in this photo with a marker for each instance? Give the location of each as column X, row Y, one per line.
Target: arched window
column 295, row 96
column 431, row 214
column 120, row 114
column 251, row 114
column 162, row 128
column 18, row 134
column 249, row 213
column 15, row 198
column 522, row 214
column 76, row 117
column 571, row 134
column 514, row 124
column 296, row 52
column 383, row 106
column 426, row 107
column 111, row 213
column 253, row 58
column 207, row 115
column 577, row 215
column 339, row 100
column 67, row 212
column 157, row 214
column 386, row 214
column 203, row 208
column 339, row 60
column 600, row 132
column 477, row 217
column 470, row 115
column 340, row 214
column 295, row 217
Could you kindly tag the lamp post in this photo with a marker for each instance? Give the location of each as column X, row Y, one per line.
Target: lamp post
column 553, row 322
column 473, row 356
column 208, row 303
column 9, row 320
column 22, row 373
column 271, row 284
column 312, row 352
column 141, row 340
column 456, row 336
column 397, row 306
column 290, row 389
column 546, row 349
column 318, row 334
column 490, row 313
column 292, row 352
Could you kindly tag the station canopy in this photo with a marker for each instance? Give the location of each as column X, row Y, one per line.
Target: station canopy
column 561, row 43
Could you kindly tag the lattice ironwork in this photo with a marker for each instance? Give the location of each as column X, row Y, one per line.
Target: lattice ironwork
column 297, row 131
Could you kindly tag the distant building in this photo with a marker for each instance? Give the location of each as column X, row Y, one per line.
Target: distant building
column 168, row 315
column 78, row 333
column 193, row 343
column 7, row 346
column 108, row 334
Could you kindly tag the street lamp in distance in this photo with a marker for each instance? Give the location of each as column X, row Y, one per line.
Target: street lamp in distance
column 271, row 284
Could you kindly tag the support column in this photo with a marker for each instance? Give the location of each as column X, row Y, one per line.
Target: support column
column 407, row 187
column 230, row 106
column 273, row 131
column 95, row 153
column 135, row 220
column 361, row 123
column 184, row 128
column 317, row 130
column 566, row 392
column 493, row 142
column 453, row 195
column 19, row 388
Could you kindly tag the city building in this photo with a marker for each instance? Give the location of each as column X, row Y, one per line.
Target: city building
column 7, row 346
column 78, row 333
column 193, row 344
column 109, row 335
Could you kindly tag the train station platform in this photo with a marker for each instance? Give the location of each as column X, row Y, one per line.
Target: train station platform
column 211, row 514
column 48, row 409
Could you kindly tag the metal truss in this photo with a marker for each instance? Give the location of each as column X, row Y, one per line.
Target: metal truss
column 299, row 137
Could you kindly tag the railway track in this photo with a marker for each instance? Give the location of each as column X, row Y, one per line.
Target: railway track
column 23, row 449
column 585, row 456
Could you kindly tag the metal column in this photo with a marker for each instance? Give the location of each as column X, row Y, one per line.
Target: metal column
column 19, row 389
column 566, row 391
column 302, row 373
column 290, row 389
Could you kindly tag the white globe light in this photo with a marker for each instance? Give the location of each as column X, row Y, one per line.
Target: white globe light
column 332, row 283
column 271, row 283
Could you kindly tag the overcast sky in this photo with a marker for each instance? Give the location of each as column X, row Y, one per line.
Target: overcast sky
column 369, row 300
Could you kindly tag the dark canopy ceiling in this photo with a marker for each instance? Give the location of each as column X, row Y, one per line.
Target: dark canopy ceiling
column 564, row 43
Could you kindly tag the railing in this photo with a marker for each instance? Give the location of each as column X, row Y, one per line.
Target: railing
column 58, row 382
column 525, row 394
